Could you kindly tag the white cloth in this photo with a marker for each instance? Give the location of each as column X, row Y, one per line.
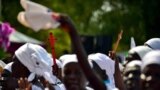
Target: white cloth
column 134, row 63
column 9, row 66
column 36, row 16
column 37, row 60
column 133, row 44
column 58, row 62
column 59, row 87
column 152, row 57
column 2, row 64
column 154, row 43
column 68, row 58
column 140, row 50
column 34, row 87
column 106, row 64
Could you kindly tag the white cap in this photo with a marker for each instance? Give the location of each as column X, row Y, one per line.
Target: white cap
column 153, row 43
column 134, row 63
column 140, row 50
column 68, row 58
column 152, row 57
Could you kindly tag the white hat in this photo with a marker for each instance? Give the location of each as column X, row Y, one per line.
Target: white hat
column 152, row 57
column 140, row 50
column 68, row 58
column 105, row 63
column 153, row 43
column 36, row 16
column 37, row 60
column 134, row 63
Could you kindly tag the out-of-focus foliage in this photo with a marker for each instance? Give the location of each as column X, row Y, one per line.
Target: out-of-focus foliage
column 137, row 18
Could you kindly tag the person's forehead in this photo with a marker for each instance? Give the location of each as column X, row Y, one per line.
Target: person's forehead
column 72, row 65
column 152, row 68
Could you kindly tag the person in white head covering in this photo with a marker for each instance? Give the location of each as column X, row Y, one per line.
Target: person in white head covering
column 137, row 53
column 108, row 67
column 33, row 61
column 72, row 75
column 153, row 43
column 151, row 71
column 131, row 75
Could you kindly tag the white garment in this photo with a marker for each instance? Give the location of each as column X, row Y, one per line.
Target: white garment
column 152, row 57
column 106, row 64
column 37, row 60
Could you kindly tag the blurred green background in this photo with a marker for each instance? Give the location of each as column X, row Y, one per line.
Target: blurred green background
column 137, row 18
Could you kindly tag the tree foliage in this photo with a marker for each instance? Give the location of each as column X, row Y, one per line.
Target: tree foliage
column 137, row 18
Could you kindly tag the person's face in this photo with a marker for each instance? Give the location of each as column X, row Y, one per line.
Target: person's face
column 132, row 79
column 151, row 77
column 73, row 77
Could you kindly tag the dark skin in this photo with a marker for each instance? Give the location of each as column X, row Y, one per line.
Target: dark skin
column 18, row 77
column 73, row 77
column 68, row 26
column 151, row 77
column 18, row 71
column 117, row 75
column 132, row 78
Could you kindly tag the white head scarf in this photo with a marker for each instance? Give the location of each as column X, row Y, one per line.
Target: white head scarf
column 134, row 63
column 68, row 58
column 36, row 16
column 106, row 64
column 140, row 50
column 37, row 60
column 152, row 57
column 153, row 43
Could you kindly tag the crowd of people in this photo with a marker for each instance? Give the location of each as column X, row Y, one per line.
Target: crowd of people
column 32, row 67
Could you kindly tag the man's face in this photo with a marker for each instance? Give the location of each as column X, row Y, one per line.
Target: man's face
column 73, row 77
column 132, row 78
column 151, row 77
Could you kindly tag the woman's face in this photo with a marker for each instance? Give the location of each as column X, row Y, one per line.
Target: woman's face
column 151, row 77
column 132, row 78
column 73, row 77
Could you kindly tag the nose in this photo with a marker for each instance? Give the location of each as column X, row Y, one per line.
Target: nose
column 72, row 76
